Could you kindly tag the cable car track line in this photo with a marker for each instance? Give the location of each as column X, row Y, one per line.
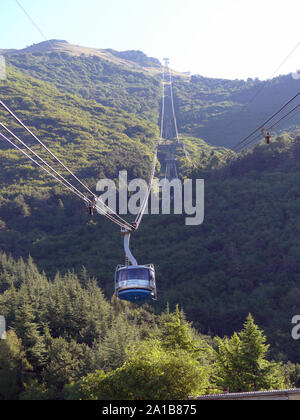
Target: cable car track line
column 273, row 74
column 32, row 21
column 41, row 159
column 42, row 167
column 292, row 110
column 266, row 122
column 44, row 146
column 70, row 188
column 42, row 34
column 246, row 106
column 66, row 184
column 122, row 221
column 274, row 125
column 146, row 199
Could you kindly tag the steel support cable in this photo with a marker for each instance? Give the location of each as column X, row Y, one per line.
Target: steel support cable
column 125, row 225
column 70, row 188
column 246, row 106
column 276, row 71
column 32, row 21
column 145, row 201
column 44, row 146
column 42, row 33
column 172, row 103
column 41, row 159
column 266, row 122
column 162, row 108
column 241, row 147
column 293, row 116
column 154, row 162
column 284, row 117
column 58, row 160
column 42, row 167
column 273, row 126
column 175, row 120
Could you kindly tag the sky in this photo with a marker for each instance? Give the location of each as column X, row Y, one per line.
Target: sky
column 230, row 39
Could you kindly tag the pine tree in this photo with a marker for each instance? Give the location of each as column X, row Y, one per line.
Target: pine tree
column 32, row 338
column 241, row 361
column 177, row 333
column 15, row 370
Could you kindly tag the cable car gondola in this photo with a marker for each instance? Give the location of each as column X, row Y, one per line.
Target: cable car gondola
column 133, row 282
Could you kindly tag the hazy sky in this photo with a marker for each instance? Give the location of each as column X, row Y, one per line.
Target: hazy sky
column 215, row 38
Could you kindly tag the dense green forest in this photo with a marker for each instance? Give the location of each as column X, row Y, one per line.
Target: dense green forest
column 100, row 116
column 66, row 341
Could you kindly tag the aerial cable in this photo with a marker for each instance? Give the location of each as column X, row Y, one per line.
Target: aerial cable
column 78, row 193
column 42, row 34
column 146, row 199
column 41, row 159
column 154, row 162
column 44, row 146
column 292, row 116
column 163, row 107
column 246, row 106
column 66, row 184
column 266, row 122
column 42, row 167
column 275, row 72
column 32, row 21
column 174, row 117
column 274, row 125
column 123, row 223
column 150, row 185
column 172, row 103
column 289, row 113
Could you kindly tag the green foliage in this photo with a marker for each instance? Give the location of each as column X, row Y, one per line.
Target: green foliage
column 177, row 334
column 241, row 363
column 65, row 328
column 151, row 373
column 92, row 77
column 223, row 112
column 80, row 346
column 291, row 373
column 15, row 370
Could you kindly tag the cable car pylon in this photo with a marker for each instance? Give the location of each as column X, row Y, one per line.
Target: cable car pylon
column 170, row 142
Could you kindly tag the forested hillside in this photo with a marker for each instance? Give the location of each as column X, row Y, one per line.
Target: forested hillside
column 219, row 111
column 67, row 342
column 101, row 116
column 224, row 111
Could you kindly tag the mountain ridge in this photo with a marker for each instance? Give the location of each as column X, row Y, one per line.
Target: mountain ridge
column 219, row 111
column 133, row 59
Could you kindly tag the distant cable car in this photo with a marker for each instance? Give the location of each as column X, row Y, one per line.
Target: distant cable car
column 133, row 282
column 267, row 135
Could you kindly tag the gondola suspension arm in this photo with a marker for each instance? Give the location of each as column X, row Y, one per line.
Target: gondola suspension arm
column 126, row 236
